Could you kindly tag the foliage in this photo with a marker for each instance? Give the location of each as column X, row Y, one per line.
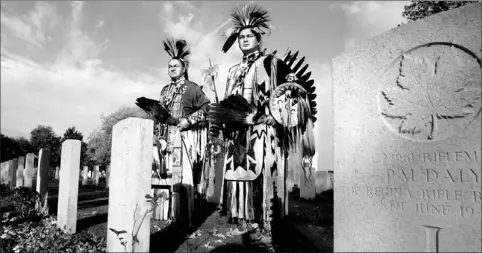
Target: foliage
column 14, row 147
column 46, row 236
column 45, row 137
column 100, row 140
column 153, row 200
column 24, row 145
column 10, row 148
column 72, row 134
column 17, row 204
column 24, row 229
column 421, row 9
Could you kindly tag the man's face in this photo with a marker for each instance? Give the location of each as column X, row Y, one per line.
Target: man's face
column 175, row 69
column 247, row 41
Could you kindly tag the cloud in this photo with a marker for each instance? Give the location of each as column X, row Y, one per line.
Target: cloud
column 73, row 90
column 63, row 97
column 32, row 26
column 324, row 124
column 80, row 48
column 365, row 19
column 205, row 43
column 100, row 23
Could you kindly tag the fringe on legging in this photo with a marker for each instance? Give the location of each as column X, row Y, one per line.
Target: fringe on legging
column 243, row 199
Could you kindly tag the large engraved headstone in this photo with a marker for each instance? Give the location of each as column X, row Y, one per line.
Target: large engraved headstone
column 128, row 224
column 407, row 149
column 69, row 186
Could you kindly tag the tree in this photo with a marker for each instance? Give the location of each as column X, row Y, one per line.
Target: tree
column 72, row 134
column 45, row 137
column 421, row 9
column 100, row 140
column 24, row 145
column 9, row 148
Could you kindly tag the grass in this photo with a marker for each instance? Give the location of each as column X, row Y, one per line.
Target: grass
column 213, row 233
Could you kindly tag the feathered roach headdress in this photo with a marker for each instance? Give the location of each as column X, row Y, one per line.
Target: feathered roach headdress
column 248, row 16
column 178, row 49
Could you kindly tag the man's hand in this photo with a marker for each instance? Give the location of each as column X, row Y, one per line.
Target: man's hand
column 183, row 124
column 270, row 120
column 214, row 130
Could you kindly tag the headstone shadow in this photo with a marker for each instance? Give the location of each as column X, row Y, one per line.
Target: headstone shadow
column 87, row 222
column 174, row 235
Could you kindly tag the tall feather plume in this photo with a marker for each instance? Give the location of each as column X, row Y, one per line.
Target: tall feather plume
column 247, row 16
column 177, row 49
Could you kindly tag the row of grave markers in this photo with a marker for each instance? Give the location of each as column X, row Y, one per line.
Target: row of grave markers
column 128, row 208
column 129, row 213
column 19, row 172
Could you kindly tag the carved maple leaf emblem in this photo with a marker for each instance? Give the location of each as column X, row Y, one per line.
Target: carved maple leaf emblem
column 429, row 90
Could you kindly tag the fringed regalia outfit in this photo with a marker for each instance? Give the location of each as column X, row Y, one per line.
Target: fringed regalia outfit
column 184, row 99
column 184, row 153
column 258, row 153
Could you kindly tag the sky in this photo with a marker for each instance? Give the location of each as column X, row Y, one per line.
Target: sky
column 65, row 64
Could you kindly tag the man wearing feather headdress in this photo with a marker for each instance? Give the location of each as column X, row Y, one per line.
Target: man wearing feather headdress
column 184, row 130
column 260, row 144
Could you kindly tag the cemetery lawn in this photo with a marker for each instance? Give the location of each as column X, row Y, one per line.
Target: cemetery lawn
column 308, row 228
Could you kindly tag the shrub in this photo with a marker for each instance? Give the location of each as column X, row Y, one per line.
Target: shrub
column 26, row 227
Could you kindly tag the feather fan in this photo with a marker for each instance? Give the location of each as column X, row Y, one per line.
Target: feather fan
column 155, row 109
column 233, row 110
